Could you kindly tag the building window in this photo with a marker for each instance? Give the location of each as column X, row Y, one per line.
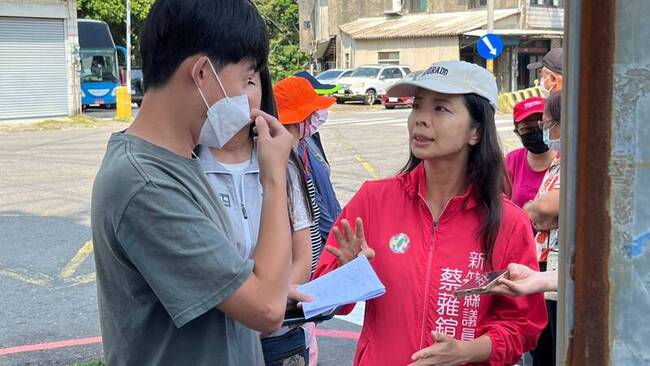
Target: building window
column 388, row 58
column 553, row 3
column 471, row 4
column 347, row 60
column 419, row 6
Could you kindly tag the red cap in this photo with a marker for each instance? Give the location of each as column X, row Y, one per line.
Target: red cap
column 528, row 107
column 297, row 100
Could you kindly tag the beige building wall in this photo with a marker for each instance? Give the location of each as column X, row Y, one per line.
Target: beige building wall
column 306, row 23
column 417, row 53
column 447, row 6
column 344, row 54
column 345, row 11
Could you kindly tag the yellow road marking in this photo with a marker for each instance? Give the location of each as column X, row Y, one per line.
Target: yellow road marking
column 67, row 273
column 69, row 270
column 366, row 165
column 357, row 156
column 38, row 279
column 80, row 280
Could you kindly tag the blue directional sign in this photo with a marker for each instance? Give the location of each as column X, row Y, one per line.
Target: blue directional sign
column 490, row 46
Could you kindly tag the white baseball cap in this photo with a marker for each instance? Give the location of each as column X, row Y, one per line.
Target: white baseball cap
column 451, row 77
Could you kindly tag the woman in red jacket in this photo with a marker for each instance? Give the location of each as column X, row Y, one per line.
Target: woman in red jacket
column 440, row 222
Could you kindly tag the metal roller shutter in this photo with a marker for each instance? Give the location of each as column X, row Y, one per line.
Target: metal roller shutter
column 33, row 68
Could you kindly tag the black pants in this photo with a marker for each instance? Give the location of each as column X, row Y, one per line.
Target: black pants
column 287, row 349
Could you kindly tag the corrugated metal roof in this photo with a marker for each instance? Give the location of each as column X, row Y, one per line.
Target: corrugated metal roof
column 518, row 32
column 422, row 25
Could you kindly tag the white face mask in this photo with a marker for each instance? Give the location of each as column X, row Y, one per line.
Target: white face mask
column 542, row 87
column 555, row 145
column 224, row 118
column 310, row 127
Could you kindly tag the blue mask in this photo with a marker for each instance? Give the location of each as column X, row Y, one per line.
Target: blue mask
column 552, row 144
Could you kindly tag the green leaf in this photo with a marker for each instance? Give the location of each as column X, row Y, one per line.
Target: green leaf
column 286, row 57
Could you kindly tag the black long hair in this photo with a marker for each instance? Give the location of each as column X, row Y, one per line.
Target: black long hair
column 485, row 169
column 269, row 106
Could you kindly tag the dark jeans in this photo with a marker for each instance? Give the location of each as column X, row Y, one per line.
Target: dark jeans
column 286, row 350
column 544, row 354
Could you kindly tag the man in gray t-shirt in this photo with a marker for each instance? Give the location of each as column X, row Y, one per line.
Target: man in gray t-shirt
column 172, row 287
column 161, row 238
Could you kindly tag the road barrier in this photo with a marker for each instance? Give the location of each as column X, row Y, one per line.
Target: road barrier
column 507, row 101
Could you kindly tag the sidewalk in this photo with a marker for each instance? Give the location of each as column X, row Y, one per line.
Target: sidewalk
column 58, row 123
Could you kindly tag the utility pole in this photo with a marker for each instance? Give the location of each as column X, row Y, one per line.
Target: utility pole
column 128, row 46
column 490, row 28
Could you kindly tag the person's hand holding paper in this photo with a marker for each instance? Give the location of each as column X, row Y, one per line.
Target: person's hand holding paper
column 351, row 244
column 296, row 297
column 352, row 282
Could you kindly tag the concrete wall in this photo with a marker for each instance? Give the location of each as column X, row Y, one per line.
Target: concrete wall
column 343, row 47
column 306, row 14
column 417, row 53
column 346, row 11
column 57, row 9
column 630, row 197
column 443, row 6
column 605, row 249
column 545, row 17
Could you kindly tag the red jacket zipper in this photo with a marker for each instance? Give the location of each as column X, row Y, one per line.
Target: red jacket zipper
column 427, row 284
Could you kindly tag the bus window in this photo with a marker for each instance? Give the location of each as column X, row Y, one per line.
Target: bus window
column 98, row 65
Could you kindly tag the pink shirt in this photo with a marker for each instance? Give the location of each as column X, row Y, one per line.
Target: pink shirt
column 525, row 181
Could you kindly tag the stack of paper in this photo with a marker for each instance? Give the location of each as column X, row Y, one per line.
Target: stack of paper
column 355, row 281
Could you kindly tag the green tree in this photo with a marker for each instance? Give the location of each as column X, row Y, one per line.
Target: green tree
column 113, row 12
column 281, row 16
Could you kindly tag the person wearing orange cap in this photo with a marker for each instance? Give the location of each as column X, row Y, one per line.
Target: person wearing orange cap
column 527, row 166
column 234, row 175
column 302, row 112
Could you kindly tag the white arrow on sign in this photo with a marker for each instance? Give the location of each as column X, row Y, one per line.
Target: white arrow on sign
column 489, row 45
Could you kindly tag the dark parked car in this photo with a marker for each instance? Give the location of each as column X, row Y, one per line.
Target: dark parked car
column 137, row 86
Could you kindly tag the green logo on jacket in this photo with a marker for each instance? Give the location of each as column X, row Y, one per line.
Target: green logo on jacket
column 399, row 243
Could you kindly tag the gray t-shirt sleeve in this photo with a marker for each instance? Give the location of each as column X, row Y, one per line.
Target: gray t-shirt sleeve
column 183, row 255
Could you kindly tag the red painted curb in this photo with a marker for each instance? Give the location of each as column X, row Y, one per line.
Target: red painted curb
column 96, row 340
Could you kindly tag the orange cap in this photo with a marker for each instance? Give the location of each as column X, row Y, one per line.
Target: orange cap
column 297, row 100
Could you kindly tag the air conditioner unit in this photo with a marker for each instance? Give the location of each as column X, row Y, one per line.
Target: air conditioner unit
column 393, row 6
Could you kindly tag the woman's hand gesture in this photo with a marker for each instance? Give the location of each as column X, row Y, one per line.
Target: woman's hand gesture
column 350, row 243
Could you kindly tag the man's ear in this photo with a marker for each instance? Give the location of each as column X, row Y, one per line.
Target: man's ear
column 199, row 70
column 559, row 80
